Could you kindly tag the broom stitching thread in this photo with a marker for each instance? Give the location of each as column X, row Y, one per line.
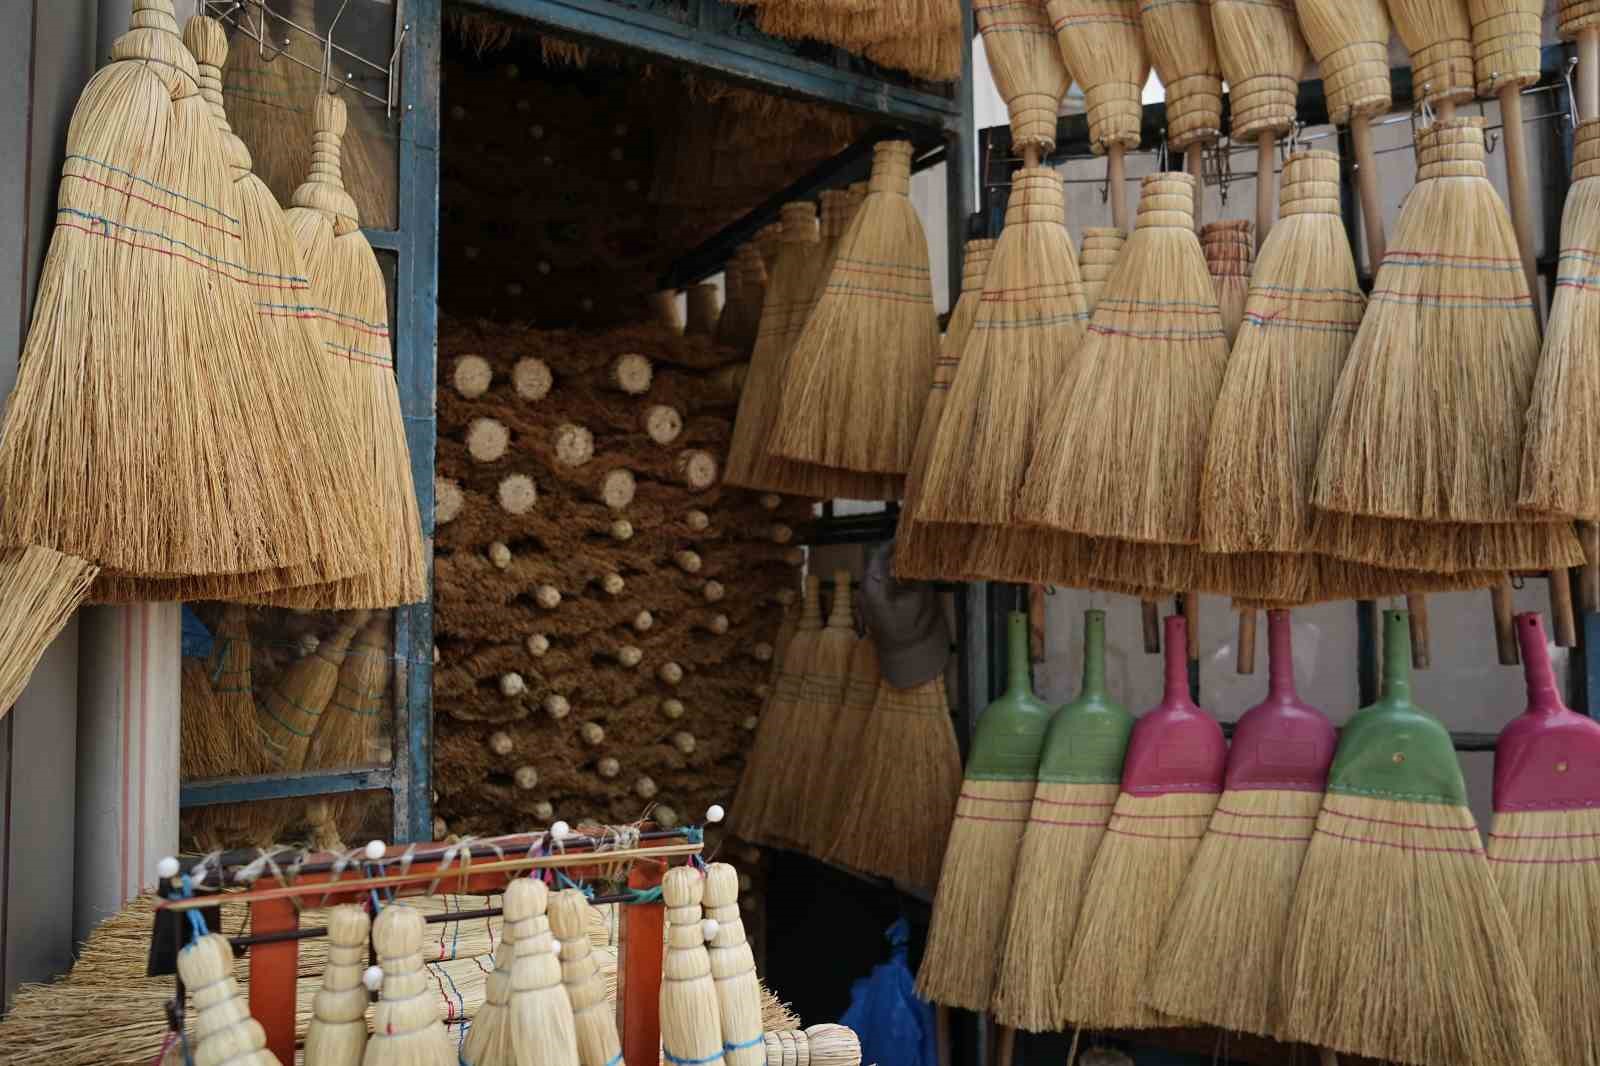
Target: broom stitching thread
column 1151, row 836
column 1551, row 805
column 145, row 181
column 103, row 232
column 347, row 321
column 1160, row 335
column 1582, row 861
column 1396, row 846
column 225, row 231
column 1213, row 831
column 1391, row 822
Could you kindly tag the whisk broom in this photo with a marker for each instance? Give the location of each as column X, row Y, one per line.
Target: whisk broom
column 337, row 1035
column 835, row 767
column 406, row 1030
column 224, row 1032
column 538, row 1029
column 42, row 590
column 1542, row 848
column 349, row 725
column 1170, row 783
column 733, row 969
column 1079, row 772
column 486, row 1039
column 859, row 372
column 969, row 913
column 1230, row 250
column 1398, row 945
column 594, row 1019
column 691, row 1026
column 1220, row 953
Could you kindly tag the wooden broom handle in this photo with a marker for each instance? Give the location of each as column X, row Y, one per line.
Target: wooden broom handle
column 941, row 1034
column 1194, row 163
column 1505, row 634
column 1117, row 186
column 1150, row 618
column 1417, row 615
column 1036, row 595
column 1589, row 73
column 1005, row 1043
column 1266, row 186
column 1367, row 188
column 1566, row 627
column 1517, row 186
column 1247, row 641
column 1589, row 588
column 1191, row 618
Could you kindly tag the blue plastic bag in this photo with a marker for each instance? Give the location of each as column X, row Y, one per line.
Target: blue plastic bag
column 895, row 1027
column 196, row 637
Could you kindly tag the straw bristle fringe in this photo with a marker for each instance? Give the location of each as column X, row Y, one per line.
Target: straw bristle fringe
column 822, row 691
column 1104, row 50
column 1183, row 50
column 1396, row 918
column 1138, row 874
column 42, row 589
column 1221, row 954
column 1026, row 64
column 903, row 793
column 1230, row 251
column 1065, row 827
column 1545, row 866
column 835, row 766
column 969, row 913
column 934, row 56
column 1448, row 548
column 1350, row 40
column 1263, row 56
column 780, row 724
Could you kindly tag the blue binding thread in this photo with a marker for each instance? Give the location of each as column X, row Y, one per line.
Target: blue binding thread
column 760, row 1038
column 696, row 834
column 197, row 923
column 614, row 1060
column 676, row 1061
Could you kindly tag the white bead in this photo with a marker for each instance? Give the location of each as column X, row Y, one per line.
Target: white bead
column 373, row 978
column 375, row 850
column 560, row 831
column 709, row 927
column 715, row 813
column 167, row 868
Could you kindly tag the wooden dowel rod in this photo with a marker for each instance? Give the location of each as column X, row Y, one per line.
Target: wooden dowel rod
column 1117, row 186
column 1266, row 186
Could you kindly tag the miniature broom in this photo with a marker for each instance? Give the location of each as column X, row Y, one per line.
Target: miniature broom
column 133, row 438
column 733, row 969
column 856, row 380
column 1078, row 778
column 691, row 1026
column 1170, row 783
column 42, row 590
column 337, row 1035
column 815, row 1045
column 288, row 716
column 406, row 1030
column 1220, row 955
column 1177, row 34
column 835, row 766
column 1398, row 945
column 969, row 913
column 1230, row 250
column 594, row 1019
column 1542, row 849
column 224, row 1033
column 923, row 550
column 538, row 1028
column 1418, row 467
column 486, row 1036
column 1096, row 259
column 779, row 723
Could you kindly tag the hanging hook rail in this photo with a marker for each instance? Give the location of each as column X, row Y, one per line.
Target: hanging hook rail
column 237, row 14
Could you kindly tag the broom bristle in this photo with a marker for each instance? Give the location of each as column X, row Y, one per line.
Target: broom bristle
column 858, row 375
column 42, row 590
column 903, row 796
column 1178, row 36
column 816, row 1045
column 1230, row 250
column 934, row 55
column 691, row 1027
column 337, row 1035
column 1026, row 64
column 1452, row 549
column 1262, row 56
column 486, row 1040
column 1505, row 43
column 733, row 967
column 1350, row 39
column 1104, row 50
column 1561, row 451
column 1438, row 34
column 538, row 1029
column 829, row 790
column 406, row 1030
column 288, row 716
column 1096, row 259
column 348, row 728
column 594, row 1020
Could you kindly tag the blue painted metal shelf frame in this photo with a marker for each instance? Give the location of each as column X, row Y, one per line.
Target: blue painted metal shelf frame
column 708, row 35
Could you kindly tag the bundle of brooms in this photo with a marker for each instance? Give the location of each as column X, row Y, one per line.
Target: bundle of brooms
column 1230, row 250
column 835, row 760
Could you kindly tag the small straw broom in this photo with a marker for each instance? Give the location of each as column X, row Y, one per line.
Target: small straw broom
column 925, row 550
column 349, row 726
column 289, row 715
column 752, row 806
column 733, row 968
column 962, row 956
column 1028, row 71
column 691, row 1026
column 406, row 1030
column 1170, row 783
column 1096, row 259
column 1220, row 955
column 859, row 372
column 1230, row 250
column 1542, row 849
column 42, row 590
column 594, row 1019
column 337, row 1035
column 486, row 1036
column 1178, row 36
column 835, row 764
column 538, row 1028
column 1079, row 773
column 1398, row 946
column 815, row 1045
column 224, row 1033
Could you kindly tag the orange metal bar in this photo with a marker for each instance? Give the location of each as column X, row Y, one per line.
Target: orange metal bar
column 640, row 951
column 273, row 970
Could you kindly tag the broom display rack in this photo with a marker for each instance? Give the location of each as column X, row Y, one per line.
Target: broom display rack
column 269, row 29
column 281, row 883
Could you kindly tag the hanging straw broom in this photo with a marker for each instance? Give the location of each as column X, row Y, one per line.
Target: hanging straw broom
column 538, row 1029
column 486, row 1040
column 288, row 716
column 1230, row 250
column 224, row 1033
column 1220, row 954
column 348, row 727
column 351, row 302
column 739, row 332
column 753, row 817
column 1078, row 782
column 835, row 211
column 835, row 767
column 1398, row 945
column 42, row 590
column 733, row 968
column 858, row 374
column 969, row 914
column 146, row 434
column 924, row 550
column 1096, row 259
column 1104, row 49
column 1438, row 34
column 406, row 1030
column 1418, row 467
column 1170, row 783
column 1178, row 37
column 934, row 54
column 1027, row 67
column 338, row 1032
column 594, row 1019
column 1542, row 849
column 691, row 1026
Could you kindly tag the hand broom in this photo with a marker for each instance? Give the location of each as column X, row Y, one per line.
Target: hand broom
column 538, row 1028
column 151, row 380
column 1398, row 945
column 835, row 766
column 1419, row 464
column 691, row 1026
column 406, row 1030
column 859, row 372
column 1079, row 773
column 1097, row 257
column 349, row 726
column 42, row 590
column 1220, row 953
column 337, row 1035
column 1542, row 849
column 594, row 1018
column 751, row 816
column 962, row 956
column 224, row 1034
column 289, row 714
column 1178, row 36
column 733, row 969
column 1171, row 779
column 1230, row 250
column 815, row 1045
column 486, row 1035
column 925, row 550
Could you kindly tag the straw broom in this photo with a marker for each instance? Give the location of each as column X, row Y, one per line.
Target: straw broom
column 753, row 816
column 829, row 789
column 151, row 379
column 1230, row 250
column 1096, row 259
column 338, row 1032
column 934, row 54
column 1183, row 50
column 538, row 1029
column 486, row 1036
column 1220, row 953
column 691, row 1027
column 1438, row 34
column 1447, row 405
column 733, row 968
column 1541, row 849
column 923, row 550
column 406, row 1030
column 1399, row 947
column 224, row 1032
column 960, row 961
column 816, row 711
column 739, row 331
column 1078, row 777
column 1155, row 830
column 289, row 715
column 1027, row 67
column 816, row 1045
column 858, row 374
column 903, row 796
column 42, row 590
column 348, row 727
column 594, row 1019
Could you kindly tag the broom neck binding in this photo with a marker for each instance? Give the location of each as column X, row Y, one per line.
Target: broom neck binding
column 891, row 168
column 1310, row 185
column 1166, row 200
column 1544, row 697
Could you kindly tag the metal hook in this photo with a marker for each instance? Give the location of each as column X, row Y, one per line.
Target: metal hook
column 327, row 47
column 1572, row 96
column 1161, row 152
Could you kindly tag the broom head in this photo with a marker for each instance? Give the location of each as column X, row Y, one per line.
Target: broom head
column 1096, row 259
column 1178, row 35
column 1027, row 68
column 1438, row 34
column 1350, row 40
column 1575, row 16
column 1104, row 50
column 1230, row 251
column 42, row 590
column 1263, row 56
column 1505, row 43
column 934, row 55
